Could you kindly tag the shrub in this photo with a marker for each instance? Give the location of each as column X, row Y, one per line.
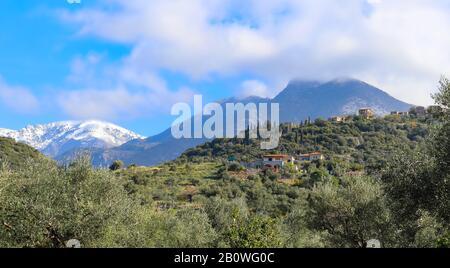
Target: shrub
column 116, row 165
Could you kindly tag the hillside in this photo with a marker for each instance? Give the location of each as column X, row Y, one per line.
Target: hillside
column 16, row 154
column 355, row 152
column 358, row 145
column 299, row 101
column 356, row 142
column 202, row 199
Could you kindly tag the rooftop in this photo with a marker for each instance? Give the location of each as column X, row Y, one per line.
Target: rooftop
column 313, row 153
column 276, row 155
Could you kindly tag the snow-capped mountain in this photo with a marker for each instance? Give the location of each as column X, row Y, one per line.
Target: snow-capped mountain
column 5, row 132
column 57, row 138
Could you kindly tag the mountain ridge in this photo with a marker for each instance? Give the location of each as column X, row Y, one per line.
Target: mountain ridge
column 314, row 99
column 300, row 100
column 56, row 138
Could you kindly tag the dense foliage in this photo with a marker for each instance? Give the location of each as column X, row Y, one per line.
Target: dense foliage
column 355, row 143
column 16, row 154
column 386, row 179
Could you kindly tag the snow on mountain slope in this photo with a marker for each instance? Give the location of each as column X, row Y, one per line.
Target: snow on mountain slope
column 5, row 132
column 56, row 138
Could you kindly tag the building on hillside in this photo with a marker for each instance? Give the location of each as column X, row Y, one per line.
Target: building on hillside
column 366, row 113
column 400, row 113
column 418, row 110
column 311, row 156
column 277, row 161
column 293, row 125
column 338, row 119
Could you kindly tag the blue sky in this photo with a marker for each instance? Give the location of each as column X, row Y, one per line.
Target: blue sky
column 37, row 50
column 128, row 62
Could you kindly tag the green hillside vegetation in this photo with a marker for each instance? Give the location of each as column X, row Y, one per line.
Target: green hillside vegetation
column 385, row 179
column 15, row 154
column 354, row 144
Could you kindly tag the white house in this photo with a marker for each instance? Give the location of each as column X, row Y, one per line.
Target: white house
column 311, row 157
column 277, row 161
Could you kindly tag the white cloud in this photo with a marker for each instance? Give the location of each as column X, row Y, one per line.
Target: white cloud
column 254, row 88
column 374, row 2
column 85, row 68
column 118, row 103
column 89, row 104
column 399, row 45
column 115, row 91
column 17, row 98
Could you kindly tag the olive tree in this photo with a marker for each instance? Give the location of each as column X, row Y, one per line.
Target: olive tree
column 45, row 205
column 417, row 182
column 351, row 212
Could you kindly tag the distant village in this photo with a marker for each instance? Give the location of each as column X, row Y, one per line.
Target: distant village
column 369, row 113
column 278, row 162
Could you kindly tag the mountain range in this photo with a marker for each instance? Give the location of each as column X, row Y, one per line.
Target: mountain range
column 55, row 139
column 106, row 142
column 343, row 96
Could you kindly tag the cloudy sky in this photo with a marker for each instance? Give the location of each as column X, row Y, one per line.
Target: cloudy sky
column 128, row 61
